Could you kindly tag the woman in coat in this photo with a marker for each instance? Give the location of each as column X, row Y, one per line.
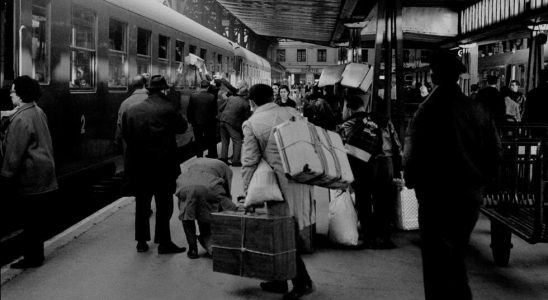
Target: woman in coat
column 260, row 143
column 28, row 163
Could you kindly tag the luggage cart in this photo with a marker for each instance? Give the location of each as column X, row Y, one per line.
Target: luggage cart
column 520, row 203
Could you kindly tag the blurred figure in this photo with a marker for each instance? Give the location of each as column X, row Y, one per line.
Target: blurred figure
column 152, row 167
column 452, row 151
column 536, row 107
column 259, row 144
column 202, row 189
column 423, row 92
column 202, row 114
column 29, row 166
column 235, row 112
column 512, row 109
column 517, row 97
column 285, row 100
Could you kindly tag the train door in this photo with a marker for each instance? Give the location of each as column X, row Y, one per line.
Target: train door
column 7, row 71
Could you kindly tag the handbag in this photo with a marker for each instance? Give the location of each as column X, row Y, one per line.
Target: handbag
column 263, row 186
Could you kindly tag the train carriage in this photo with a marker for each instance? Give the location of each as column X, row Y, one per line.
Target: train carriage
column 84, row 53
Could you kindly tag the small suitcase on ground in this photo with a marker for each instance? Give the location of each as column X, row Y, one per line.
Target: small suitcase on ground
column 313, row 155
column 407, row 209
column 253, row 245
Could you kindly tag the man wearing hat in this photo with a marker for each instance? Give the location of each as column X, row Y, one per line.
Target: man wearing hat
column 149, row 129
column 452, row 152
column 202, row 114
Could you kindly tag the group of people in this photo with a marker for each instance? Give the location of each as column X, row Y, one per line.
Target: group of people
column 451, row 152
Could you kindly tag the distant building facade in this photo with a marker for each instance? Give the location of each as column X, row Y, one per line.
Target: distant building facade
column 303, row 60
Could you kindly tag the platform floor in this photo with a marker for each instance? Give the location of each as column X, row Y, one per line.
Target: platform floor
column 99, row 261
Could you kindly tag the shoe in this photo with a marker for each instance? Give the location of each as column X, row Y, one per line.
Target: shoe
column 298, row 292
column 25, row 263
column 192, row 253
column 236, row 164
column 142, row 247
column 279, row 287
column 224, row 160
column 170, row 248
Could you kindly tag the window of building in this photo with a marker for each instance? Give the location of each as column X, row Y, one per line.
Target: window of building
column 83, row 48
column 192, row 49
column 143, row 51
column 179, row 50
column 301, row 54
column 40, row 40
column 280, row 55
column 322, row 55
column 117, row 57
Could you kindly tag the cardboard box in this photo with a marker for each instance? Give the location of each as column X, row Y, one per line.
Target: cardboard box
column 255, row 245
column 313, row 155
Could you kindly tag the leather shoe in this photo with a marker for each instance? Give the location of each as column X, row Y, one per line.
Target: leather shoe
column 297, row 292
column 192, row 253
column 142, row 247
column 279, row 287
column 25, row 263
column 170, row 248
column 386, row 244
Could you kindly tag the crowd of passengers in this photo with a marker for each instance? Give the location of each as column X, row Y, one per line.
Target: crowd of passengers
column 451, row 145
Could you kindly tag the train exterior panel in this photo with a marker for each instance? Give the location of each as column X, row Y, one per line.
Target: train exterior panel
column 84, row 54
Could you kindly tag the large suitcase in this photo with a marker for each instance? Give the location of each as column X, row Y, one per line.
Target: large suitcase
column 253, row 245
column 331, row 75
column 354, row 74
column 313, row 155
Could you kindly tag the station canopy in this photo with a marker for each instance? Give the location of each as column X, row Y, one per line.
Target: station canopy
column 316, row 21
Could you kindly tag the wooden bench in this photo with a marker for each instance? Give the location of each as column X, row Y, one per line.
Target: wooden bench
column 520, row 204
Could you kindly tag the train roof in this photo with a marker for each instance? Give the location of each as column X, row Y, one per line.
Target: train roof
column 171, row 18
column 252, row 57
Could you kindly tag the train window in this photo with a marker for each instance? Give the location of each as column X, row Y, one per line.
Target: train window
column 203, row 53
column 83, row 47
column 179, row 50
column 192, row 49
column 301, row 55
column 322, row 55
column 117, row 57
column 163, row 47
column 143, row 51
column 40, row 40
column 280, row 55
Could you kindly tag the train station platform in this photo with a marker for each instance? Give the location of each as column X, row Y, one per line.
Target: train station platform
column 96, row 259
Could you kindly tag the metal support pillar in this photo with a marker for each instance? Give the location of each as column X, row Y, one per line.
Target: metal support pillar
column 379, row 41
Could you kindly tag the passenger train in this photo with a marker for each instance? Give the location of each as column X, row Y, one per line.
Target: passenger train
column 84, row 53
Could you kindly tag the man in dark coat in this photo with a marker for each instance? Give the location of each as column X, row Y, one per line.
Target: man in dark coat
column 451, row 153
column 493, row 100
column 202, row 114
column 149, row 129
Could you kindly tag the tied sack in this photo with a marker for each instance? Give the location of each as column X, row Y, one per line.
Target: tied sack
column 263, row 186
column 343, row 220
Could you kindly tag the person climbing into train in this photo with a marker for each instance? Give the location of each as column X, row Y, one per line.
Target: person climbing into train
column 203, row 188
column 233, row 115
column 28, row 165
column 452, row 152
column 152, row 166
